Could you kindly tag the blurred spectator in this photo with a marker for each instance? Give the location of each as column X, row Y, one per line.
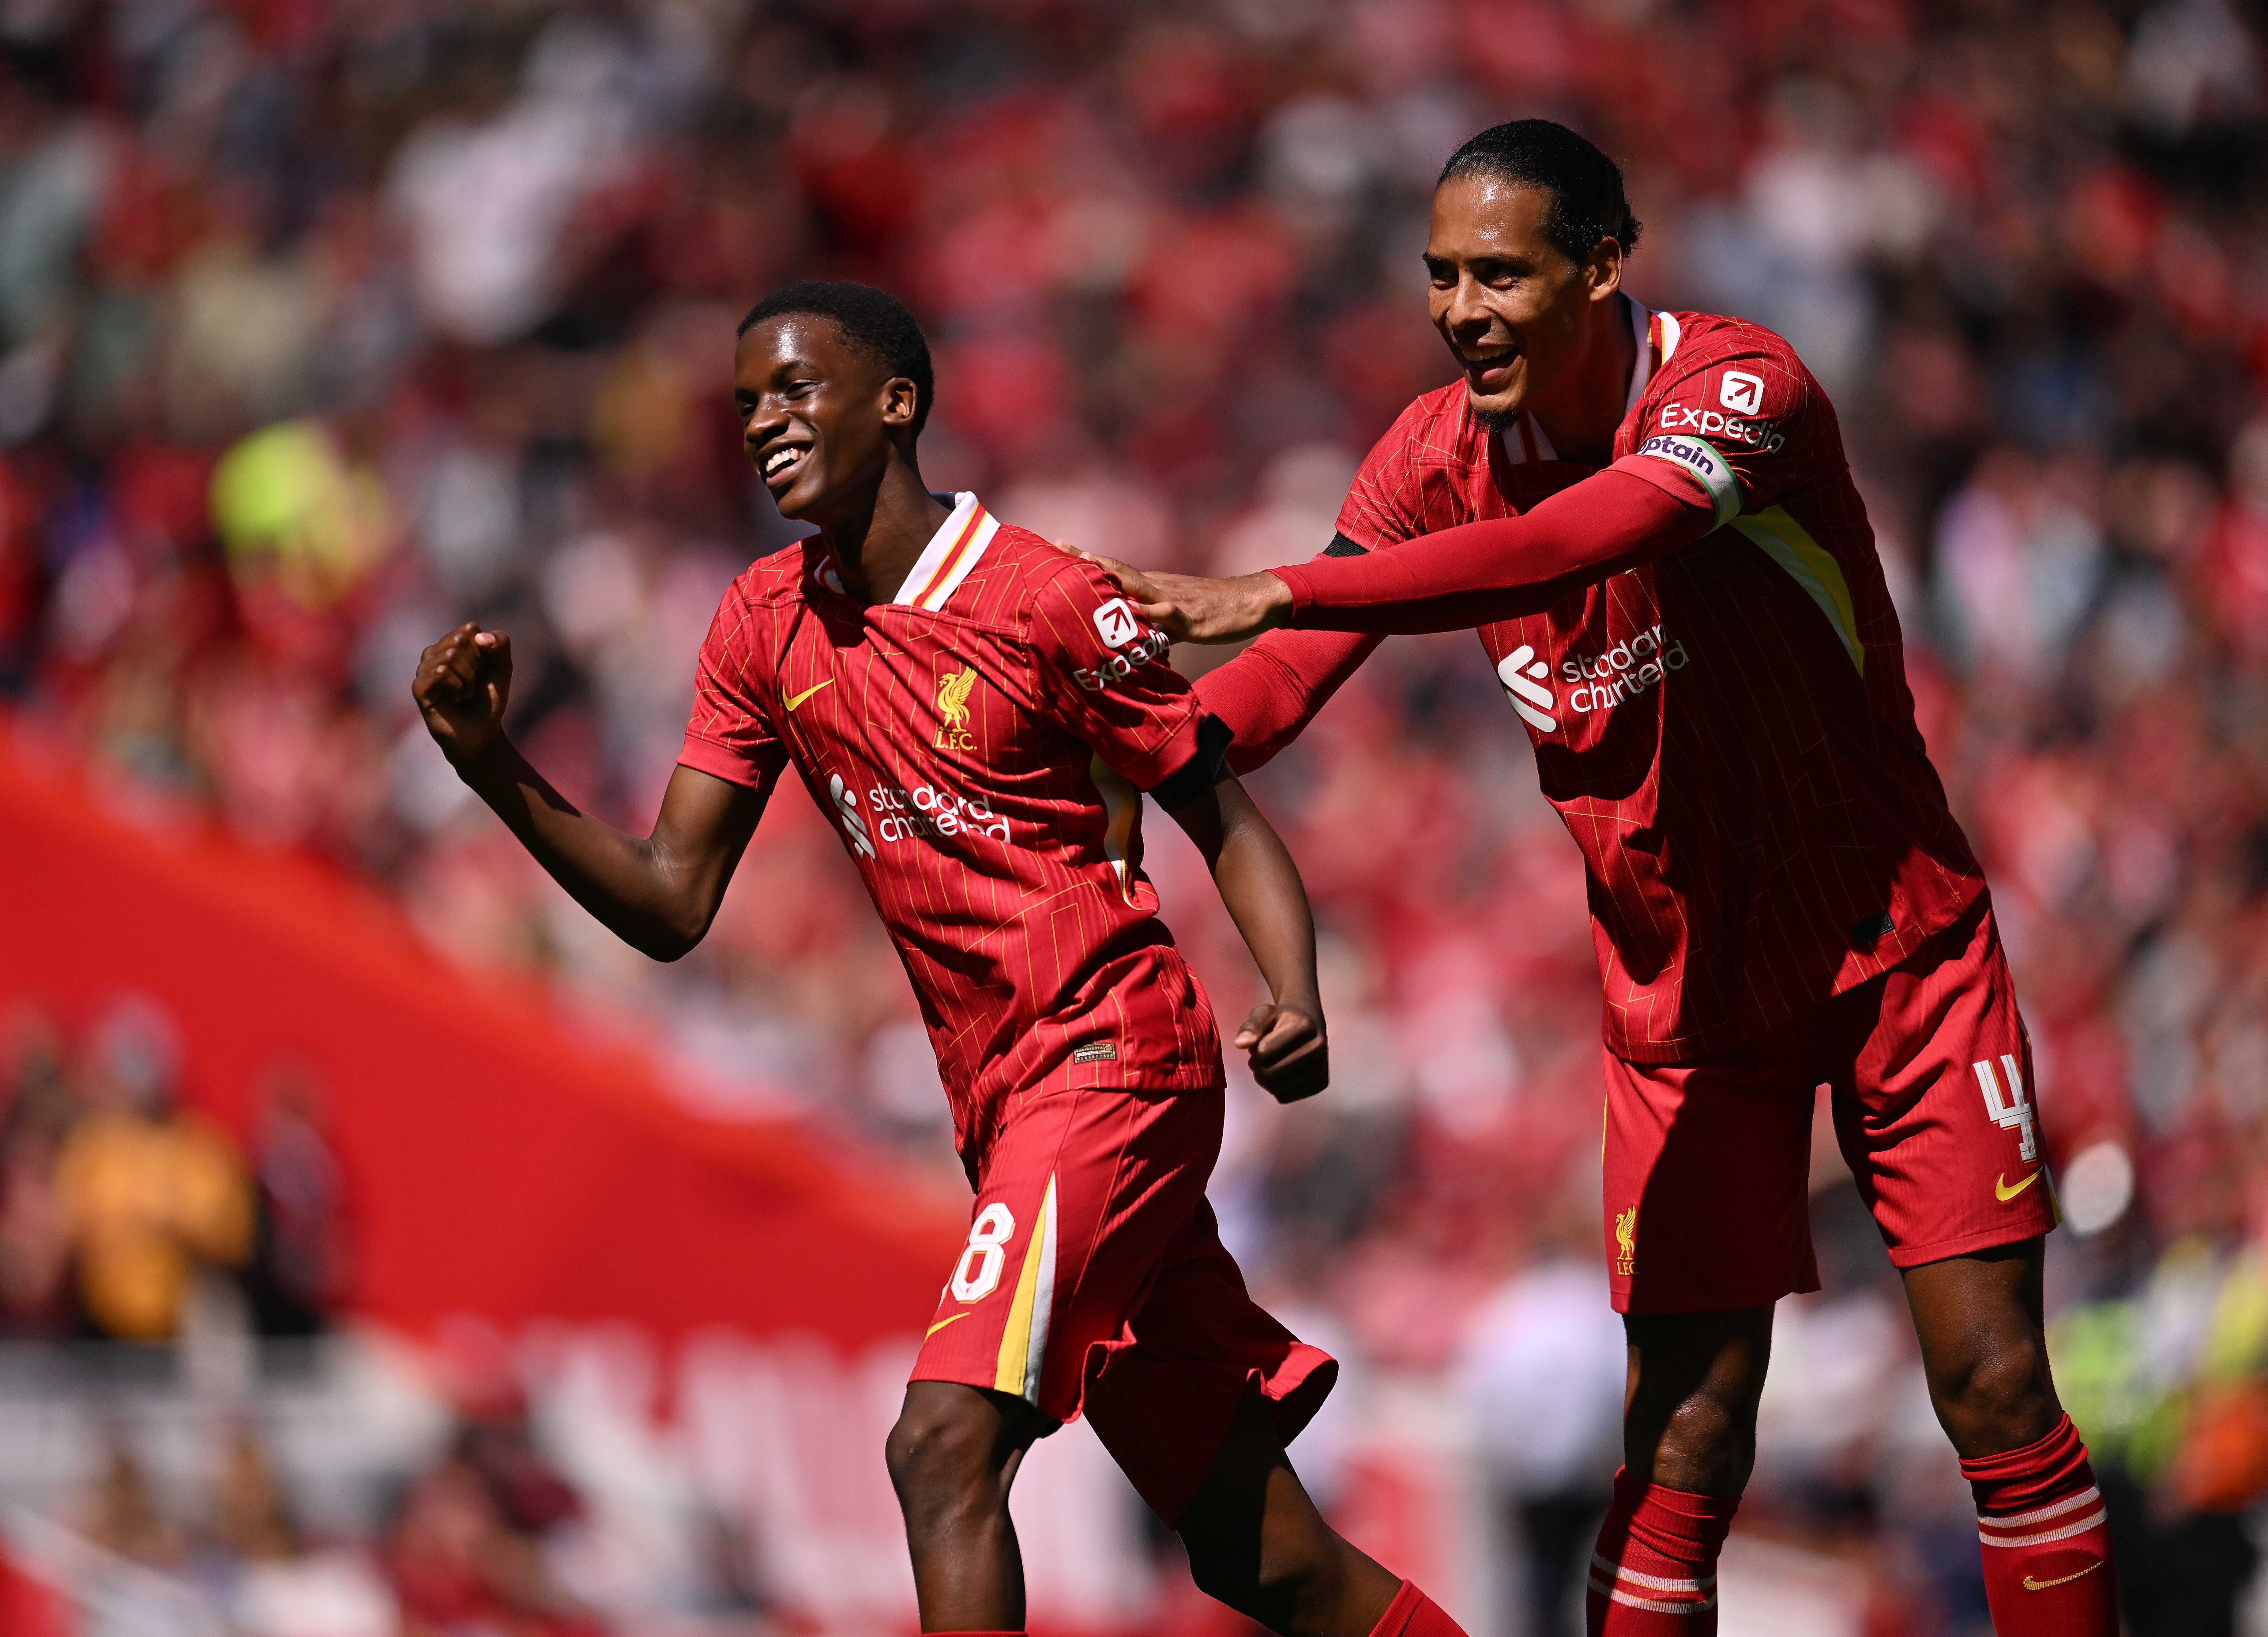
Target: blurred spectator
column 150, row 1193
column 36, row 1108
column 1542, row 1372
column 466, row 1548
column 298, row 1270
column 122, row 1515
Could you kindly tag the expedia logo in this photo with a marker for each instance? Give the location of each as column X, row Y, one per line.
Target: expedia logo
column 1116, row 623
column 1141, row 647
column 1741, row 393
column 1763, row 435
column 1603, row 680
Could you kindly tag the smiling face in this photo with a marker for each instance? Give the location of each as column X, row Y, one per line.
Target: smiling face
column 1514, row 310
column 818, row 417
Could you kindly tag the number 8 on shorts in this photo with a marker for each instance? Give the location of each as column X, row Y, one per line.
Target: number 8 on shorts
column 978, row 1270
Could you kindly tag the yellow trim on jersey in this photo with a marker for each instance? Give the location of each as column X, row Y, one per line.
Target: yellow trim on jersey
column 1812, row 566
column 1024, row 1342
column 1122, row 811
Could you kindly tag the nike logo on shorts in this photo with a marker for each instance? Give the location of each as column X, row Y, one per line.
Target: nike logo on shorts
column 2006, row 1193
column 794, row 700
column 2042, row 1585
column 940, row 1324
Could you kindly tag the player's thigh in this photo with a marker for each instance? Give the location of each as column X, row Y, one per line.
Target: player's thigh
column 1164, row 1393
column 1934, row 1107
column 1707, row 1166
column 1078, row 1202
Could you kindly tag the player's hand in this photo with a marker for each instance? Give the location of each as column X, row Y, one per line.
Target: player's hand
column 461, row 686
column 1288, row 1054
column 1192, row 608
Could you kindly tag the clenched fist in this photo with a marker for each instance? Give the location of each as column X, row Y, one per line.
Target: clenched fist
column 462, row 684
column 1288, row 1055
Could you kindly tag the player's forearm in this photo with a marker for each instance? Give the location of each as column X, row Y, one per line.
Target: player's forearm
column 1271, row 691
column 1498, row 569
column 633, row 886
column 1262, row 889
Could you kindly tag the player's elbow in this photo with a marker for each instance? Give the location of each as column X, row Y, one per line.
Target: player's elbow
column 666, row 947
column 669, row 934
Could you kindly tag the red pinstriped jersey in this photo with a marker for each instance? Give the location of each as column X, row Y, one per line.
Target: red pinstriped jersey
column 1726, row 731
column 980, row 745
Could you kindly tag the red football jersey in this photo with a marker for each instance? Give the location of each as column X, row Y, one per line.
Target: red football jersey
column 981, row 745
column 1727, row 730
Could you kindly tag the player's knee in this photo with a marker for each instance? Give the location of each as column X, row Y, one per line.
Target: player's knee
column 2004, row 1385
column 1264, row 1582
column 939, row 1457
column 1706, row 1425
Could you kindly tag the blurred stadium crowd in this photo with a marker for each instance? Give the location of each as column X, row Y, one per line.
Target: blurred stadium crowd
column 324, row 326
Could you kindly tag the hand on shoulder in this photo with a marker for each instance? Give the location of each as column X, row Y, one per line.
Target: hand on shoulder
column 1191, row 607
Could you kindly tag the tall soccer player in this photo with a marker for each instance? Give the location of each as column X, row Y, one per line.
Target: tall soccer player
column 978, row 714
column 1650, row 520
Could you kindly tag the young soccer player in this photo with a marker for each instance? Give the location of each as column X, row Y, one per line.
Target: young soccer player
column 1649, row 517
column 978, row 714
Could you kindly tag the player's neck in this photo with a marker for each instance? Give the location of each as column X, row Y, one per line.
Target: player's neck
column 1580, row 418
column 878, row 537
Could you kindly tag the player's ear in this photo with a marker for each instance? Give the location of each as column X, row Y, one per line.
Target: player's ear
column 1603, row 271
column 900, row 398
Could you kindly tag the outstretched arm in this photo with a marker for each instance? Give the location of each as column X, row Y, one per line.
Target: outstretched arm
column 1263, row 891
column 1270, row 692
column 1450, row 580
column 657, row 894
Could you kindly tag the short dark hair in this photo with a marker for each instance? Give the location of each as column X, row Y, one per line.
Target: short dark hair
column 1586, row 187
column 873, row 321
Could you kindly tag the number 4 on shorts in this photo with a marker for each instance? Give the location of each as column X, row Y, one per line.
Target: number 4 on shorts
column 2015, row 1112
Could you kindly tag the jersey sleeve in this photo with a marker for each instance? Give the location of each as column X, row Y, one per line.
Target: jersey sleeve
column 1268, row 694
column 1102, row 674
column 729, row 736
column 1737, row 432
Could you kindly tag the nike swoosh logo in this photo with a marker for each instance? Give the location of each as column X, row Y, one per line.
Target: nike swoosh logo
column 941, row 1324
column 2000, row 1187
column 794, row 700
column 2042, row 1585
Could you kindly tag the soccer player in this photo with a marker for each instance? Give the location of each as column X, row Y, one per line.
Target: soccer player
column 1650, row 520
column 978, row 713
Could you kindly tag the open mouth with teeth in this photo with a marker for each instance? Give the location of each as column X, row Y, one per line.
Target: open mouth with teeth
column 784, row 459
column 1490, row 371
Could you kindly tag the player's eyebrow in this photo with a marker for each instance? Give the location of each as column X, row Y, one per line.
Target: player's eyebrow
column 1482, row 266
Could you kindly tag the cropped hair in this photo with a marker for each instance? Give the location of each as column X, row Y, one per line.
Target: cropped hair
column 873, row 323
column 1588, row 203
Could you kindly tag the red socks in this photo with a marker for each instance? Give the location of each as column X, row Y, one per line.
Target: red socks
column 1654, row 1572
column 1414, row 1614
column 2047, row 1547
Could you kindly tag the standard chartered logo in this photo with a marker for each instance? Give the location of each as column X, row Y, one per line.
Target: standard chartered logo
column 1522, row 675
column 846, row 808
column 929, row 813
column 1601, row 680
column 924, row 813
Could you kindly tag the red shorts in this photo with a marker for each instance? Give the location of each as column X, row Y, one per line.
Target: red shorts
column 1708, row 1161
column 1094, row 1280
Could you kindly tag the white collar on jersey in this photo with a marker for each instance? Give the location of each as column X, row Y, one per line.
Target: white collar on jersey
column 951, row 553
column 944, row 563
column 1524, row 439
